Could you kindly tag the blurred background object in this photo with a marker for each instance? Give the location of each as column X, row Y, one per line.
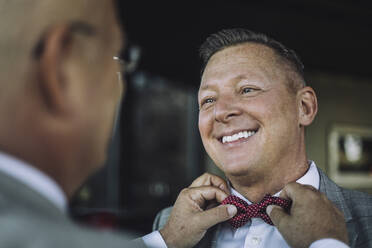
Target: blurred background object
column 157, row 151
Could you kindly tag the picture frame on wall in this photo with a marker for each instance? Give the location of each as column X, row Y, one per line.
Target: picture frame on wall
column 350, row 155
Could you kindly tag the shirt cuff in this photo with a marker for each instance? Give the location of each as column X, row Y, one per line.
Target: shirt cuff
column 325, row 243
column 155, row 240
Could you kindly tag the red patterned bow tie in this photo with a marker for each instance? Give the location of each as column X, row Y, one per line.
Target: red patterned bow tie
column 258, row 210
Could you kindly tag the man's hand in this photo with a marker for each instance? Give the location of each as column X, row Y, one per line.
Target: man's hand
column 194, row 211
column 312, row 217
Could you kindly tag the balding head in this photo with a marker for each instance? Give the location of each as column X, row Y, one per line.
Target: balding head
column 23, row 23
column 58, row 84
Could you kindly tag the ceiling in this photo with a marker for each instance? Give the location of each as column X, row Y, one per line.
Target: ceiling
column 332, row 36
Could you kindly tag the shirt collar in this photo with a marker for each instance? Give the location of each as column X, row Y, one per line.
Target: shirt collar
column 311, row 177
column 33, row 178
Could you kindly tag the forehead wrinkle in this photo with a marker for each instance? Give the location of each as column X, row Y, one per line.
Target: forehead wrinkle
column 204, row 87
column 252, row 56
column 258, row 63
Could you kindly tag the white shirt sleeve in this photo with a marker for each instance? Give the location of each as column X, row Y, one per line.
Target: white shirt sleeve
column 155, row 240
column 326, row 243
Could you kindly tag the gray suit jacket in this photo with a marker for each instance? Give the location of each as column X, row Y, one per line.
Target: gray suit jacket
column 29, row 220
column 356, row 206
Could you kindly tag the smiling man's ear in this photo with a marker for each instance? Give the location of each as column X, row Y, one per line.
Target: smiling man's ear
column 308, row 105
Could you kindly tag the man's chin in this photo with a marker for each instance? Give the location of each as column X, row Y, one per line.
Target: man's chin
column 237, row 170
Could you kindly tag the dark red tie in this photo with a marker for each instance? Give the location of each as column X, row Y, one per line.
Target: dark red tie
column 258, row 210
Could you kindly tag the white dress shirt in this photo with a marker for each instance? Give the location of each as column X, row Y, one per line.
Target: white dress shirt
column 49, row 189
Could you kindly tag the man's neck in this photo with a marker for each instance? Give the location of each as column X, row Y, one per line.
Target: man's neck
column 255, row 187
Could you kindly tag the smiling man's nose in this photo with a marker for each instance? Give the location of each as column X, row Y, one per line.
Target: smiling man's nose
column 225, row 109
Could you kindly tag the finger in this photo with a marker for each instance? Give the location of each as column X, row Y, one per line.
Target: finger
column 310, row 187
column 206, row 193
column 277, row 215
column 291, row 190
column 284, row 195
column 216, row 215
column 203, row 180
column 210, row 180
column 296, row 191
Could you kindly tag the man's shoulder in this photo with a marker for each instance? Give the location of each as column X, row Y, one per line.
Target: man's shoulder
column 357, row 202
column 360, row 203
column 34, row 222
column 161, row 218
column 19, row 228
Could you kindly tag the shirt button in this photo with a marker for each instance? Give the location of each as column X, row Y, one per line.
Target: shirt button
column 255, row 241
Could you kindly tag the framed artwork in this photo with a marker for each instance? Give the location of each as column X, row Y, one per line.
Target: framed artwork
column 350, row 155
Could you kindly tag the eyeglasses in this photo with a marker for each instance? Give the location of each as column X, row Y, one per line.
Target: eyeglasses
column 128, row 61
column 121, row 68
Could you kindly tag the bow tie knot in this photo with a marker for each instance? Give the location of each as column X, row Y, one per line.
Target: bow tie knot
column 258, row 210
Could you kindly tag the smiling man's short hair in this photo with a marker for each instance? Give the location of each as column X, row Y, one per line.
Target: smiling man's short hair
column 286, row 57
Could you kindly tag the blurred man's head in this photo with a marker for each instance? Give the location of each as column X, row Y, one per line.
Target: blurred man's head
column 253, row 104
column 58, row 84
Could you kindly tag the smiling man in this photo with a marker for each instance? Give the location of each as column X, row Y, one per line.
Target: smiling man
column 254, row 107
column 252, row 116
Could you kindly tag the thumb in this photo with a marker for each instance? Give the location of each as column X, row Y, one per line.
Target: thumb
column 277, row 215
column 216, row 215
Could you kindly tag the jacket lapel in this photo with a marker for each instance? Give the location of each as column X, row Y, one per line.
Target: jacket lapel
column 336, row 195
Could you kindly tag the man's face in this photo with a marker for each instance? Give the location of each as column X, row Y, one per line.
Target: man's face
column 248, row 118
column 105, row 90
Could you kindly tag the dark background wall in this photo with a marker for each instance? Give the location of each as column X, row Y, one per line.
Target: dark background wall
column 157, row 150
column 333, row 36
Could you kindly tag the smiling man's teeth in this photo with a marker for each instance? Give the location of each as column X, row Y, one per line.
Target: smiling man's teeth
column 244, row 134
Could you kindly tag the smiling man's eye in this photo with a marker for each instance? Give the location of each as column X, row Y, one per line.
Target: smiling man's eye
column 207, row 101
column 247, row 90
